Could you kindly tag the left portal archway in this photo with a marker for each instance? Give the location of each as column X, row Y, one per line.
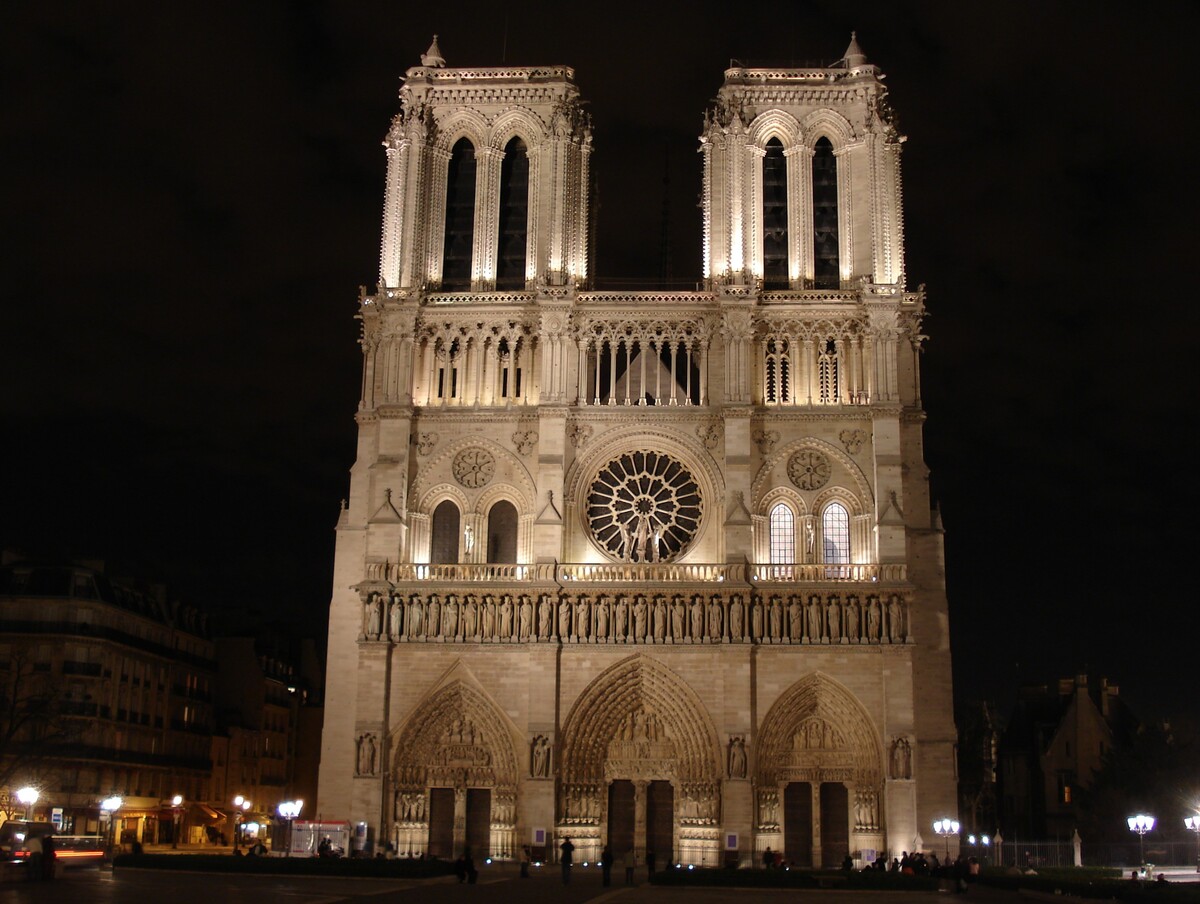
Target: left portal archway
column 454, row 770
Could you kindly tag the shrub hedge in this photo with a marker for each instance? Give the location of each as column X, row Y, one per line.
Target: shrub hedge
column 796, row 878
column 365, row 868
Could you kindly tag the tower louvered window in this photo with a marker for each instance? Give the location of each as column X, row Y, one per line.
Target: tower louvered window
column 777, row 375
column 826, row 270
column 775, row 217
column 460, row 218
column 514, row 216
column 828, row 375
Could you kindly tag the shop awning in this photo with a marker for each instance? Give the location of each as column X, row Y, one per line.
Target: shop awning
column 208, row 813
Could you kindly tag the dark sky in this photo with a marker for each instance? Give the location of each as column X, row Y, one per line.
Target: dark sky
column 192, row 194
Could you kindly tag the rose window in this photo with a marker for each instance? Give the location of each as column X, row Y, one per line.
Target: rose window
column 808, row 469
column 644, row 507
column 473, row 468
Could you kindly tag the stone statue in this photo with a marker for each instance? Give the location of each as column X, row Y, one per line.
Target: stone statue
column 795, row 620
column 564, row 619
column 545, row 615
column 814, row 619
column 366, row 755
column 677, row 617
column 896, row 619
column 660, row 619
column 833, row 618
column 901, row 758
column 416, row 617
column 582, row 621
column 715, row 618
column 697, row 619
column 488, row 617
column 434, row 621
column 470, row 618
column 376, row 604
column 602, row 619
column 526, row 618
column 756, row 621
column 622, row 617
column 639, row 619
column 540, row 756
column 776, row 618
column 737, row 757
column 506, row 618
column 852, row 619
column 450, row 618
column 735, row 617
column 396, row 618
column 873, row 620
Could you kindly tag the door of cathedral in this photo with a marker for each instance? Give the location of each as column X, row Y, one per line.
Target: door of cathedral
column 835, row 824
column 621, row 816
column 441, row 823
column 660, row 821
column 797, row 824
column 479, row 822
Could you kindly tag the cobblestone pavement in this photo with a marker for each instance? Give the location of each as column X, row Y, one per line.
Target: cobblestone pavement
column 497, row 885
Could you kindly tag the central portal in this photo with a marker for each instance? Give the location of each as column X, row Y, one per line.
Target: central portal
column 647, row 824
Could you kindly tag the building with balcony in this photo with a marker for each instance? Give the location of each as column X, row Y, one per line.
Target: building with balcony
column 651, row 569
column 108, row 690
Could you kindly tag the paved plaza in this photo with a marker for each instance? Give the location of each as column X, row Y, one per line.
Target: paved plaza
column 497, row 885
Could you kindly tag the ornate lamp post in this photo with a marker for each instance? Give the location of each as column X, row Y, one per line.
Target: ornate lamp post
column 289, row 810
column 28, row 796
column 946, row 828
column 1141, row 824
column 176, row 812
column 1193, row 824
column 242, row 805
column 108, row 808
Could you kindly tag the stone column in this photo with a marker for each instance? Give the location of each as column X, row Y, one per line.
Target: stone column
column 639, row 818
column 815, row 789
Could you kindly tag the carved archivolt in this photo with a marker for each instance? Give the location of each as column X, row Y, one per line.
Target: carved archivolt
column 455, row 738
column 436, row 473
column 861, row 485
column 638, row 720
column 817, row 731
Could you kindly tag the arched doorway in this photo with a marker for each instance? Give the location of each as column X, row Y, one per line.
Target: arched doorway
column 819, row 776
column 640, row 768
column 455, row 777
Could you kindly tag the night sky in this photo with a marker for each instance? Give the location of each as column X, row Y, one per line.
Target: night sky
column 193, row 192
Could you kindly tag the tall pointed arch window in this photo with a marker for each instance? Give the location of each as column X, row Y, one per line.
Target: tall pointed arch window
column 826, row 267
column 835, row 534
column 502, row 532
column 775, row 217
column 514, row 216
column 782, row 526
column 777, row 372
column 443, row 544
column 460, row 218
column 828, row 372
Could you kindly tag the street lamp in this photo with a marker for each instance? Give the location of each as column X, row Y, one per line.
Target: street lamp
column 1141, row 824
column 176, row 810
column 1193, row 824
column 289, row 810
column 109, row 807
column 28, row 796
column 946, row 828
column 242, row 804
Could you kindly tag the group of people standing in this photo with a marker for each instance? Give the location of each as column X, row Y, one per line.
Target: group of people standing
column 628, row 860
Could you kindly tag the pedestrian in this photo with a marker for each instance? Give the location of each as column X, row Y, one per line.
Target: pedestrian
column 649, row 864
column 768, row 858
column 630, row 862
column 48, row 857
column 568, row 851
column 469, row 866
column 606, row 862
column 33, row 845
column 525, row 858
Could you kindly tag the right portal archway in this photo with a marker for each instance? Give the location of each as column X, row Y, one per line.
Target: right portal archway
column 820, row 778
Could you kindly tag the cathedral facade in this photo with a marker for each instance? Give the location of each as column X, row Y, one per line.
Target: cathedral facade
column 650, row 569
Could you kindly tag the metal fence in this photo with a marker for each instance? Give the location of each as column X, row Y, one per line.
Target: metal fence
column 1035, row 854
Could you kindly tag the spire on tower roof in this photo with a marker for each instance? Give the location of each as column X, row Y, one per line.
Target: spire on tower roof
column 432, row 57
column 854, row 57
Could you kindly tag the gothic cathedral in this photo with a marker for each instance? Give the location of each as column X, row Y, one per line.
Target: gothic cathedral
column 650, row 569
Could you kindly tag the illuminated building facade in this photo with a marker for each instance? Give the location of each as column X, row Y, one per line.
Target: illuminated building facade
column 652, row 569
